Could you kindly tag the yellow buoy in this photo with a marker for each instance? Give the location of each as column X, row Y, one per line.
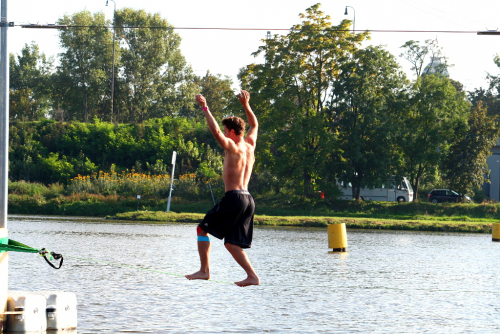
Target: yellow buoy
column 495, row 231
column 337, row 237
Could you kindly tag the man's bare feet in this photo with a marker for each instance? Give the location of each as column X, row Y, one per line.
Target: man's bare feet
column 248, row 281
column 199, row 275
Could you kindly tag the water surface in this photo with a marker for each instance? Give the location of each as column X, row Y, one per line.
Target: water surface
column 387, row 282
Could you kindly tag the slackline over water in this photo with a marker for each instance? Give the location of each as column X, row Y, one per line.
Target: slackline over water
column 7, row 244
column 303, row 286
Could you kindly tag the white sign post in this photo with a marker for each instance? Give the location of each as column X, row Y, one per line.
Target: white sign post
column 174, row 156
column 138, row 200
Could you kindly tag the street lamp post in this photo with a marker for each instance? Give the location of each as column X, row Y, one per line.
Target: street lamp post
column 268, row 37
column 354, row 18
column 113, row 68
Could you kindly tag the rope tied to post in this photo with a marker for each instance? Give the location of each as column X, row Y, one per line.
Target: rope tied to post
column 9, row 245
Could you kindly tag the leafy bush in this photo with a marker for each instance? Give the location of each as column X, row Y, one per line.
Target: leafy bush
column 55, row 169
column 25, row 188
column 36, row 189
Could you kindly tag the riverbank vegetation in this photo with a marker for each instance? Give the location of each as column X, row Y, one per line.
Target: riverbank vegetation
column 277, row 210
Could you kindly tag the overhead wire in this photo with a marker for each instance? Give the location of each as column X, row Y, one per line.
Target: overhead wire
column 270, row 29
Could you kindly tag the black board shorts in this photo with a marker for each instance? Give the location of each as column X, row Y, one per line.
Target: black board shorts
column 231, row 219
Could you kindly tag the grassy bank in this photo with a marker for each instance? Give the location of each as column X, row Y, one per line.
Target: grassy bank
column 100, row 205
column 441, row 225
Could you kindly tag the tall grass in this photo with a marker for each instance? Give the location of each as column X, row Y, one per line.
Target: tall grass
column 36, row 189
column 187, row 186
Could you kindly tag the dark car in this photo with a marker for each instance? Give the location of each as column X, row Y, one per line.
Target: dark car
column 446, row 195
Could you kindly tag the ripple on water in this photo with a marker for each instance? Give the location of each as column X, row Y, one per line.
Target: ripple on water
column 387, row 282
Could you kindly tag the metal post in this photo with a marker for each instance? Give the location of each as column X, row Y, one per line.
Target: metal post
column 174, row 156
column 210, row 185
column 113, row 82
column 113, row 69
column 354, row 18
column 4, row 117
column 4, row 161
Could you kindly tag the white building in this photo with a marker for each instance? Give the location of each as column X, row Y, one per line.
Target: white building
column 492, row 189
column 436, row 66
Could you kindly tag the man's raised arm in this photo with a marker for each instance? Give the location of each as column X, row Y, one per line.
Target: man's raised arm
column 244, row 98
column 212, row 123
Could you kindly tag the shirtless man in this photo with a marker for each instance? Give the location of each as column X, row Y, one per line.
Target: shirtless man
column 232, row 218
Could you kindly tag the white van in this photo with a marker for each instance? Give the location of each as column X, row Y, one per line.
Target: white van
column 397, row 189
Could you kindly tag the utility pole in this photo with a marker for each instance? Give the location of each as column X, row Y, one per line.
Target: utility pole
column 4, row 162
column 113, row 65
column 4, row 150
column 4, row 117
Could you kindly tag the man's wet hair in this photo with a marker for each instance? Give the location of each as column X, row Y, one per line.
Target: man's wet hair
column 234, row 123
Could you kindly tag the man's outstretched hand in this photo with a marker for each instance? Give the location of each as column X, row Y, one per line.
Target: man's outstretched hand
column 244, row 97
column 201, row 100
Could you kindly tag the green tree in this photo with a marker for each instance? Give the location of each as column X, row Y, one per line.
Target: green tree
column 368, row 100
column 465, row 167
column 292, row 97
column 29, row 83
column 218, row 92
column 85, row 65
column 489, row 97
column 210, row 166
column 23, row 106
column 24, row 148
column 55, row 169
column 434, row 111
column 62, row 95
column 417, row 55
column 155, row 78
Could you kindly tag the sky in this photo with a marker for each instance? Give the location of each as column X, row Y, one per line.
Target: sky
column 226, row 52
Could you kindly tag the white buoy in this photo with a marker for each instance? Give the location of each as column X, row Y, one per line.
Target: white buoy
column 41, row 311
column 61, row 310
column 26, row 313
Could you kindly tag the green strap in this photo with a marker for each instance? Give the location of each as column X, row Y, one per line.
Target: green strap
column 4, row 242
column 9, row 245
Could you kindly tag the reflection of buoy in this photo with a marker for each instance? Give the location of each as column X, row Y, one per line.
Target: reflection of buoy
column 495, row 231
column 337, row 237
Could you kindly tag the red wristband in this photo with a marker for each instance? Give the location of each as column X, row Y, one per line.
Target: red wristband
column 205, row 109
